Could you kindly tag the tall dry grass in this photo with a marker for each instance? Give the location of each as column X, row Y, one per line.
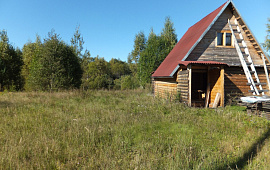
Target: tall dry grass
column 123, row 130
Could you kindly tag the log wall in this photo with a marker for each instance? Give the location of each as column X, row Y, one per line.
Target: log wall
column 165, row 88
column 236, row 81
column 183, row 85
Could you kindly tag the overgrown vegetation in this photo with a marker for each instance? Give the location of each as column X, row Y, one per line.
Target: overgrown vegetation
column 10, row 65
column 266, row 43
column 148, row 53
column 50, row 64
column 125, row 130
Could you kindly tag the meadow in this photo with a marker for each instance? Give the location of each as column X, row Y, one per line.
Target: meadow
column 126, row 130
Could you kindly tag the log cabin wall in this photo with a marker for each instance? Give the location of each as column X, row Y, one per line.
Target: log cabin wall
column 165, row 87
column 236, row 82
column 183, row 85
column 207, row 50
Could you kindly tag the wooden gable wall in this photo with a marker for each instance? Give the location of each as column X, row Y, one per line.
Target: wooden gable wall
column 206, row 50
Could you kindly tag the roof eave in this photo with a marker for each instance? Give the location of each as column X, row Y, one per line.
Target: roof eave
column 162, row 76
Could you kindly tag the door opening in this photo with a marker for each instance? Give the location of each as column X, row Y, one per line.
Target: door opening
column 198, row 88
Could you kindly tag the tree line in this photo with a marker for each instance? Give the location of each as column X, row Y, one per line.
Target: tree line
column 51, row 64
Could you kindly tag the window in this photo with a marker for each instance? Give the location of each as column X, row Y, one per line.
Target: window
column 219, row 38
column 228, row 39
column 224, row 38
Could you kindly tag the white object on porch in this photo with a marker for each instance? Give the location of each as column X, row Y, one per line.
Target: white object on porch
column 255, row 99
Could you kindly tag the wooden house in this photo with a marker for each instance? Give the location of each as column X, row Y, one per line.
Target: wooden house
column 217, row 58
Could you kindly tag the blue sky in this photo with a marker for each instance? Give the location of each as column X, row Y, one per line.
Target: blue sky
column 109, row 26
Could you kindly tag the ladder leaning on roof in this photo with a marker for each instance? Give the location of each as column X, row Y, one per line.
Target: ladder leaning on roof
column 248, row 66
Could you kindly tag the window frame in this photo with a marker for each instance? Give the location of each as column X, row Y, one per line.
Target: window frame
column 224, row 36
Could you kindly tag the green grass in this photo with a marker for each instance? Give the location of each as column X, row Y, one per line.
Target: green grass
column 125, row 130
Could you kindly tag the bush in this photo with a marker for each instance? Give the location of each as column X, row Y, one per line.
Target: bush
column 126, row 82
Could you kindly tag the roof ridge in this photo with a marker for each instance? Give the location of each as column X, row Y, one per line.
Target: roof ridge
column 210, row 13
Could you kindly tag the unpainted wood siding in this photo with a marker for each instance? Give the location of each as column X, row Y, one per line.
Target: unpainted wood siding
column 236, row 81
column 216, row 85
column 183, row 85
column 206, row 50
column 165, row 88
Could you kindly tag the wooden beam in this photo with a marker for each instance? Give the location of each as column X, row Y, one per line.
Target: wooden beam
column 217, row 99
column 243, row 26
column 189, row 87
column 238, row 18
column 222, row 103
column 208, row 89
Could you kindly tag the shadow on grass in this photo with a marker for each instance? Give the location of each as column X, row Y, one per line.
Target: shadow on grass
column 4, row 104
column 250, row 154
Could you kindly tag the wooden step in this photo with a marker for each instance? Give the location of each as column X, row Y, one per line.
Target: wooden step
column 238, row 32
column 260, row 91
column 256, row 84
column 245, row 55
column 252, row 72
column 240, row 40
column 248, row 63
column 234, row 25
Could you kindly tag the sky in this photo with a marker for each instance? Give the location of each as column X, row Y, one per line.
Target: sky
column 109, row 26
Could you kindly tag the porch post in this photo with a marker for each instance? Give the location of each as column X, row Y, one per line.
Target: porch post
column 208, row 88
column 222, row 86
column 189, row 83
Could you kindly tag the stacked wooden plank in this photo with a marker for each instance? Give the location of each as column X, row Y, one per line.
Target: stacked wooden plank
column 165, row 89
column 266, row 109
column 260, row 109
column 183, row 85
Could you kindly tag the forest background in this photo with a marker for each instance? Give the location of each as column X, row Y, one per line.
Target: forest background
column 50, row 64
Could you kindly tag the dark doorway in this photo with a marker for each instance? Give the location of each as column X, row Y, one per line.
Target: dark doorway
column 198, row 87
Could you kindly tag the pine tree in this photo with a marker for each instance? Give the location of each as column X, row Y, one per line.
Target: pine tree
column 156, row 50
column 148, row 58
column 10, row 65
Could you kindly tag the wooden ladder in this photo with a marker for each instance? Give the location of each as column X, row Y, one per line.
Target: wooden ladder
column 249, row 68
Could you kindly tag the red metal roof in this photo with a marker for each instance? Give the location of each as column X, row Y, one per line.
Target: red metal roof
column 201, row 62
column 187, row 43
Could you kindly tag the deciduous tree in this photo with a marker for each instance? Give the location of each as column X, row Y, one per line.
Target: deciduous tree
column 52, row 65
column 118, row 68
column 98, row 74
column 267, row 38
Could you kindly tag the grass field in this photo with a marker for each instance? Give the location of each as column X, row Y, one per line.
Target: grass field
column 126, row 130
